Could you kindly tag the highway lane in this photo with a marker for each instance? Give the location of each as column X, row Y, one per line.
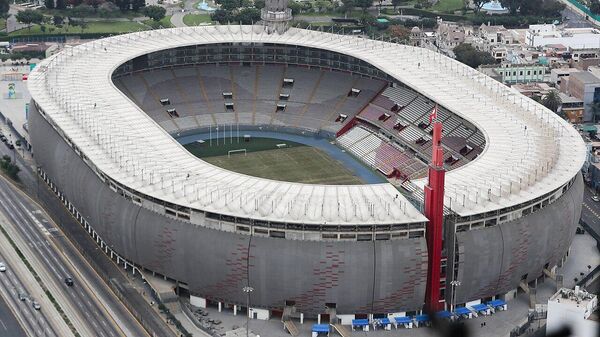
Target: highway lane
column 18, row 296
column 590, row 212
column 9, row 326
column 87, row 254
column 13, row 205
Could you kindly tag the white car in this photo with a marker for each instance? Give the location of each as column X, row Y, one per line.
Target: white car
column 2, row 267
column 36, row 305
column 595, row 198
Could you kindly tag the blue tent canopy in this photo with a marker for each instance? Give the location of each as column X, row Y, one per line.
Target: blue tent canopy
column 360, row 322
column 403, row 320
column 320, row 328
column 462, row 311
column 479, row 307
column 496, row 303
column 422, row 318
column 385, row 321
column 443, row 314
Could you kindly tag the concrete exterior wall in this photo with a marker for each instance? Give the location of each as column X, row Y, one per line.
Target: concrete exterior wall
column 360, row 277
column 493, row 259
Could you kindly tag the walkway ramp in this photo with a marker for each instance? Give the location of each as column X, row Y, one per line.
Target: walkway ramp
column 291, row 328
column 342, row 330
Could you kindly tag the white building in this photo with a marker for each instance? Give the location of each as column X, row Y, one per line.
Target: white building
column 573, row 308
column 541, row 35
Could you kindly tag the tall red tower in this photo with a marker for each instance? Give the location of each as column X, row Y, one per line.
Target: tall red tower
column 434, row 211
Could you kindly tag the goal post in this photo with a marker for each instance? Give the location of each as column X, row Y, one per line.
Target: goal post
column 229, row 153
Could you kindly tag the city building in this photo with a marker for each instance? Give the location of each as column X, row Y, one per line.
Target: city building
column 576, row 309
column 584, row 86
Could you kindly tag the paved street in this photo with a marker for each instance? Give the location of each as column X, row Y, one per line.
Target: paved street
column 9, row 326
column 590, row 212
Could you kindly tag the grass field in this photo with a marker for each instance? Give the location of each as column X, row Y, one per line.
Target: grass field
column 196, row 19
column 164, row 22
column 448, row 6
column 92, row 27
column 295, row 163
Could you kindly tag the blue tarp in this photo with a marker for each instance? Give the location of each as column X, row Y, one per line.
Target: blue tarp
column 320, row 328
column 462, row 311
column 422, row 318
column 360, row 322
column 385, row 321
column 443, row 314
column 480, row 307
column 496, row 303
column 403, row 320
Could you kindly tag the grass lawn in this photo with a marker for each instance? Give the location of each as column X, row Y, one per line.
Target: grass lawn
column 448, row 6
column 92, row 27
column 2, row 24
column 295, row 163
column 165, row 22
column 196, row 19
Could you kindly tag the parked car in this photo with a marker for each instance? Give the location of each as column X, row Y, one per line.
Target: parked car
column 595, row 197
column 69, row 281
column 36, row 305
column 2, row 267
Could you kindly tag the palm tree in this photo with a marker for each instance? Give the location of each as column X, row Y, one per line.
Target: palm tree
column 552, row 100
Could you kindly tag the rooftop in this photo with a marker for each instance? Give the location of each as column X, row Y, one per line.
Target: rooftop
column 77, row 95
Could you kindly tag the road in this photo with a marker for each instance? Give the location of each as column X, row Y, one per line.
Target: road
column 84, row 255
column 574, row 20
column 590, row 212
column 9, row 326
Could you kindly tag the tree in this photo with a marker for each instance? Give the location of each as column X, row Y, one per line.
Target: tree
column 28, row 17
column 552, row 100
column 396, row 3
column 58, row 20
column 248, row 16
column 94, row 3
column 399, row 32
column 49, row 4
column 61, row 4
column 295, row 7
column 323, row 5
column 258, row 4
column 137, row 4
column 595, row 6
column 347, row 6
column 221, row 16
column 512, row 5
column 478, row 4
column 229, row 5
column 364, row 4
column 154, row 12
column 468, row 55
column 122, row 4
column 4, row 7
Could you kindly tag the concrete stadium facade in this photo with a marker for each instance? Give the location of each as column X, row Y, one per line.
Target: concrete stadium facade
column 493, row 251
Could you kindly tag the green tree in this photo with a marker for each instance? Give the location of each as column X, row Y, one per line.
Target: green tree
column 49, row 4
column 259, row 4
column 295, row 7
column 222, row 16
column 248, row 16
column 155, row 13
column 323, row 5
column 595, row 6
column 61, row 4
column 347, row 6
column 478, row 4
column 4, row 7
column 512, row 5
column 552, row 100
column 364, row 4
column 58, row 20
column 137, row 4
column 29, row 17
column 468, row 55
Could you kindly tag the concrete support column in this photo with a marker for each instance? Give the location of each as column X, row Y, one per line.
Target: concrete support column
column 235, row 310
column 319, row 319
column 220, row 306
column 301, row 318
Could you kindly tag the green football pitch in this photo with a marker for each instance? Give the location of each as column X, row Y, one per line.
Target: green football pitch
column 263, row 158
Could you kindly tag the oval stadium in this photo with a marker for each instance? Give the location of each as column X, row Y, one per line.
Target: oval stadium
column 295, row 162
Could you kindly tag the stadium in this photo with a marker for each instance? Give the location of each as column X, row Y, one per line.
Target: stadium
column 116, row 126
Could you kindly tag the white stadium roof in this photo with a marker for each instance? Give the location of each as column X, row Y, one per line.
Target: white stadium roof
column 529, row 150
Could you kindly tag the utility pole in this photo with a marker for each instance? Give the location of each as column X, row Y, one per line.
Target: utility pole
column 247, row 290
